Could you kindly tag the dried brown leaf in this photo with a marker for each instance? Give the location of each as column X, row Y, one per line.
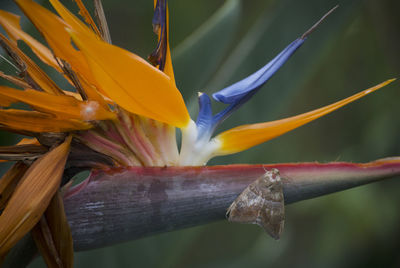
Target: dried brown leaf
column 9, row 181
column 30, row 71
column 52, row 235
column 42, row 236
column 21, row 152
column 31, row 121
column 102, row 21
column 32, row 196
column 15, row 80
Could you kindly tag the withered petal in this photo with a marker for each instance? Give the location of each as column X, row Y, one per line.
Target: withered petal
column 52, row 235
column 31, row 121
column 10, row 180
column 32, row 196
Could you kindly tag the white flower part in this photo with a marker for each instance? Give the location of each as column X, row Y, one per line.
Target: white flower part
column 168, row 146
column 189, row 137
column 206, row 151
column 89, row 109
column 195, row 152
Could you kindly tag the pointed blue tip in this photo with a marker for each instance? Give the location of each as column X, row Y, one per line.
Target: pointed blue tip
column 236, row 92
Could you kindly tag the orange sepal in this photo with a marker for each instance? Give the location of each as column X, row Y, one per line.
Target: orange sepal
column 72, row 21
column 10, row 23
column 133, row 83
column 10, row 180
column 18, row 120
column 60, row 41
column 52, row 235
column 86, row 15
column 52, row 28
column 33, row 70
column 168, row 69
column 92, row 92
column 62, row 107
column 243, row 137
column 32, row 196
column 25, row 141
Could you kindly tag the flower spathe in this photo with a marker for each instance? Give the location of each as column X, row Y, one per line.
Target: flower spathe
column 112, row 68
column 111, row 74
column 125, row 110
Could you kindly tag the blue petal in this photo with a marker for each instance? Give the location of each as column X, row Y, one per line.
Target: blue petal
column 159, row 13
column 239, row 93
column 236, row 92
column 204, row 120
column 221, row 116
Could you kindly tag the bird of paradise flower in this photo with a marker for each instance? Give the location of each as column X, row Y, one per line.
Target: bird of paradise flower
column 124, row 112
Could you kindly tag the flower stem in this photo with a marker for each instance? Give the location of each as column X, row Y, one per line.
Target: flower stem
column 146, row 201
column 122, row 204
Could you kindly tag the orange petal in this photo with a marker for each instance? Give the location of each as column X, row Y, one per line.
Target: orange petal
column 52, row 235
column 169, row 70
column 18, row 120
column 52, row 28
column 246, row 136
column 65, row 107
column 6, row 101
column 32, row 196
column 10, row 23
column 86, row 15
column 92, row 93
column 24, row 141
column 73, row 94
column 60, row 41
column 72, row 21
column 79, row 97
column 33, row 70
column 133, row 83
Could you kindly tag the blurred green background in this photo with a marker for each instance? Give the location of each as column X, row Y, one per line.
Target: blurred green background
column 215, row 43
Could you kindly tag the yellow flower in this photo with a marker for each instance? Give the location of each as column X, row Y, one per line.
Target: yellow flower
column 124, row 111
column 125, row 91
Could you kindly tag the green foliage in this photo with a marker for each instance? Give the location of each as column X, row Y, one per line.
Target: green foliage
column 210, row 43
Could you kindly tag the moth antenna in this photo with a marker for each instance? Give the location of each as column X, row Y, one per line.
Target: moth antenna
column 264, row 168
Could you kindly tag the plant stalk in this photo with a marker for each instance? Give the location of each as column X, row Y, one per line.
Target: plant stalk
column 124, row 204
column 117, row 205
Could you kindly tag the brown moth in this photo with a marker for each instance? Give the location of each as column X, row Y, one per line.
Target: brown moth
column 261, row 203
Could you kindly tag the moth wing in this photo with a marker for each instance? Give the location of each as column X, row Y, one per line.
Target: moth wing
column 272, row 218
column 246, row 207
